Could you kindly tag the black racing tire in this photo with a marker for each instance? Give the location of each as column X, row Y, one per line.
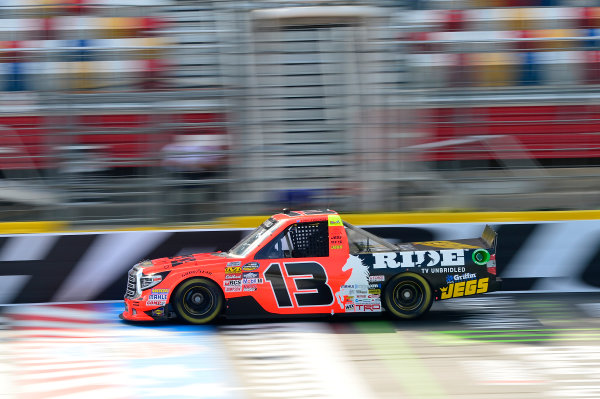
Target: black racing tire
column 408, row 296
column 198, row 301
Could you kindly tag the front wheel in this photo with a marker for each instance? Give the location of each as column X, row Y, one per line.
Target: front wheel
column 408, row 296
column 198, row 301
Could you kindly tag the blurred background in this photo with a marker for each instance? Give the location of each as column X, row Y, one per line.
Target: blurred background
column 138, row 112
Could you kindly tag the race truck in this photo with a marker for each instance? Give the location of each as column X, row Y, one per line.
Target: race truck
column 311, row 262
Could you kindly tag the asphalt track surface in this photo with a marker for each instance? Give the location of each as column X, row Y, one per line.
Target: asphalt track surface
column 494, row 346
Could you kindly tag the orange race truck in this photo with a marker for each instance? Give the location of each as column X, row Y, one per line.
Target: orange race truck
column 311, row 262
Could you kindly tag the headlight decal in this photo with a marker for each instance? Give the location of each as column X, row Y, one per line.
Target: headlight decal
column 152, row 280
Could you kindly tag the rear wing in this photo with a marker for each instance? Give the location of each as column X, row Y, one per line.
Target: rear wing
column 489, row 236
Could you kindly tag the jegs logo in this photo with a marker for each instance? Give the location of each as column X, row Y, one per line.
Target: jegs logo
column 465, row 288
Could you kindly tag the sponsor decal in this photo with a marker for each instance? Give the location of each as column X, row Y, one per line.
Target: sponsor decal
column 336, row 240
column 251, row 266
column 444, row 257
column 361, row 296
column 249, row 288
column 374, row 286
column 376, row 278
column 196, row 273
column 252, row 281
column 464, row 288
column 234, row 264
column 435, row 270
column 158, row 312
column 179, row 260
column 157, row 297
column 232, row 270
column 349, row 307
column 250, row 275
column 334, row 220
column 481, row 256
column 230, row 283
column 367, row 307
column 337, row 246
column 374, row 296
column 237, row 276
column 460, row 277
column 365, row 300
column 233, row 288
column 376, row 291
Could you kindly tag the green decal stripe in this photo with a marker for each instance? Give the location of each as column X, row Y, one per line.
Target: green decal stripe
column 551, row 334
column 409, row 370
column 511, row 330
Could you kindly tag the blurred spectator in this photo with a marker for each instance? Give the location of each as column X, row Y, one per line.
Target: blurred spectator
column 530, row 74
column 195, row 157
column 15, row 77
column 75, row 6
column 592, row 67
column 454, row 21
column 153, row 75
column 193, row 162
column 47, row 28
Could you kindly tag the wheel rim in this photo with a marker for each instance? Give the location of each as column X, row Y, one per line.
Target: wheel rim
column 408, row 295
column 198, row 301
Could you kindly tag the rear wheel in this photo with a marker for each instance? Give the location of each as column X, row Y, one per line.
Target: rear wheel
column 408, row 296
column 198, row 301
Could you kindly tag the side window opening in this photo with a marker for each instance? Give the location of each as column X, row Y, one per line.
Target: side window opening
column 309, row 240
column 361, row 241
column 300, row 240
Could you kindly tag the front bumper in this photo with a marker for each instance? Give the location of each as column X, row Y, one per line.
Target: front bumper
column 138, row 311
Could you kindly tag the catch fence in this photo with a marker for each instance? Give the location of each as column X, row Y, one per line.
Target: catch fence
column 179, row 112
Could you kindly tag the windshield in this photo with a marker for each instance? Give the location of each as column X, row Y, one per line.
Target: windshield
column 361, row 241
column 251, row 241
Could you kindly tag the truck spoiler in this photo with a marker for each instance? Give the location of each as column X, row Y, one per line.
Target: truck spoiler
column 489, row 236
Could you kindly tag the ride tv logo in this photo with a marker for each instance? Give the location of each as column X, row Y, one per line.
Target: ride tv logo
column 445, row 257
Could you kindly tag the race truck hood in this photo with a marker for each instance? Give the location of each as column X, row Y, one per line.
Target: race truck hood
column 195, row 260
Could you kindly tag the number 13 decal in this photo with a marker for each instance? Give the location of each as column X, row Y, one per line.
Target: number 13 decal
column 310, row 280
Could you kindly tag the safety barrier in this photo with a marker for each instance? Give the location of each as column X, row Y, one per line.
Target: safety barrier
column 561, row 253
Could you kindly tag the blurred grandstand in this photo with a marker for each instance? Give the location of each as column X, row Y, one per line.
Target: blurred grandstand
column 160, row 111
